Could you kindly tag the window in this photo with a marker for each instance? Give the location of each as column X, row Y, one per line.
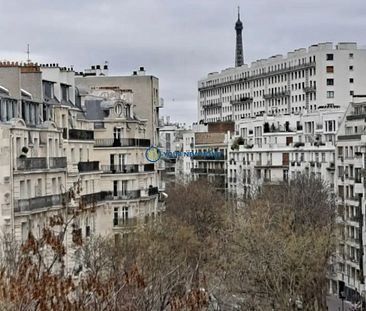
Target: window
column 64, row 92
column 59, row 181
column 330, row 81
column 87, row 227
column 350, row 68
column 350, row 80
column 125, row 214
column 22, row 192
column 351, row 93
column 350, row 55
column 47, row 89
column 54, row 186
column 330, row 69
column 330, row 57
column 330, row 94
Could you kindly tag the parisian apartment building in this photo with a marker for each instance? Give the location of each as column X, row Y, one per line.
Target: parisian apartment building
column 60, row 129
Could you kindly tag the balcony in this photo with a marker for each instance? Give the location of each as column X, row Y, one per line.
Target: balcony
column 29, row 205
column 217, row 171
column 331, row 166
column 287, row 69
column 198, row 170
column 276, row 95
column 309, row 89
column 122, row 142
column 209, row 157
column 153, row 191
column 120, row 169
column 88, row 166
column 149, row 167
column 58, row 162
column 75, row 134
column 95, row 197
column 125, row 222
column 30, row 164
column 123, row 195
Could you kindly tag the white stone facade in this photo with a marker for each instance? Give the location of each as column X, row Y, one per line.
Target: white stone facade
column 54, row 135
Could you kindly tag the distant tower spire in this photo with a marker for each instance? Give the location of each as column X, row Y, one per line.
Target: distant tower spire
column 28, row 54
column 239, row 55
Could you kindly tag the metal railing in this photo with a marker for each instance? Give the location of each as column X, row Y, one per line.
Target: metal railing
column 76, row 134
column 199, row 170
column 149, row 167
column 153, row 191
column 125, row 222
column 124, row 195
column 120, row 169
column 95, row 197
column 208, row 157
column 88, row 166
column 219, row 171
column 122, row 142
column 58, row 162
column 28, row 164
column 32, row 204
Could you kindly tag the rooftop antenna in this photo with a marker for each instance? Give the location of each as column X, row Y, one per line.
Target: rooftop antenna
column 28, row 53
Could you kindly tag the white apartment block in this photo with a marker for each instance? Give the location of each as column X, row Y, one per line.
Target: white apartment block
column 304, row 81
column 350, row 183
column 273, row 149
column 55, row 134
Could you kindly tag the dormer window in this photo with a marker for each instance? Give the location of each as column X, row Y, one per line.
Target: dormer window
column 47, row 89
column 64, row 92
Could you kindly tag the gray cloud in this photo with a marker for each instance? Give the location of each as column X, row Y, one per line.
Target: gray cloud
column 178, row 41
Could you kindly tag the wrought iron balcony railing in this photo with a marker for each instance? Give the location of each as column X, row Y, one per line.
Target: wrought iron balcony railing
column 76, row 134
column 88, row 166
column 125, row 222
column 199, row 170
column 149, row 167
column 95, row 197
column 28, row 164
column 32, row 204
column 209, row 157
column 122, row 142
column 124, row 195
column 153, row 191
column 120, row 169
column 58, row 162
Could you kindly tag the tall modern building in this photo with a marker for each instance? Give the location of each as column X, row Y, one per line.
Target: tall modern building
column 239, row 56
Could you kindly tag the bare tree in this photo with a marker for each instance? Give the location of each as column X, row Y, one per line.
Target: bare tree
column 281, row 247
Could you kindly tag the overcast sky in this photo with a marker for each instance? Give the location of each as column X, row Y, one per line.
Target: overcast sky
column 179, row 41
